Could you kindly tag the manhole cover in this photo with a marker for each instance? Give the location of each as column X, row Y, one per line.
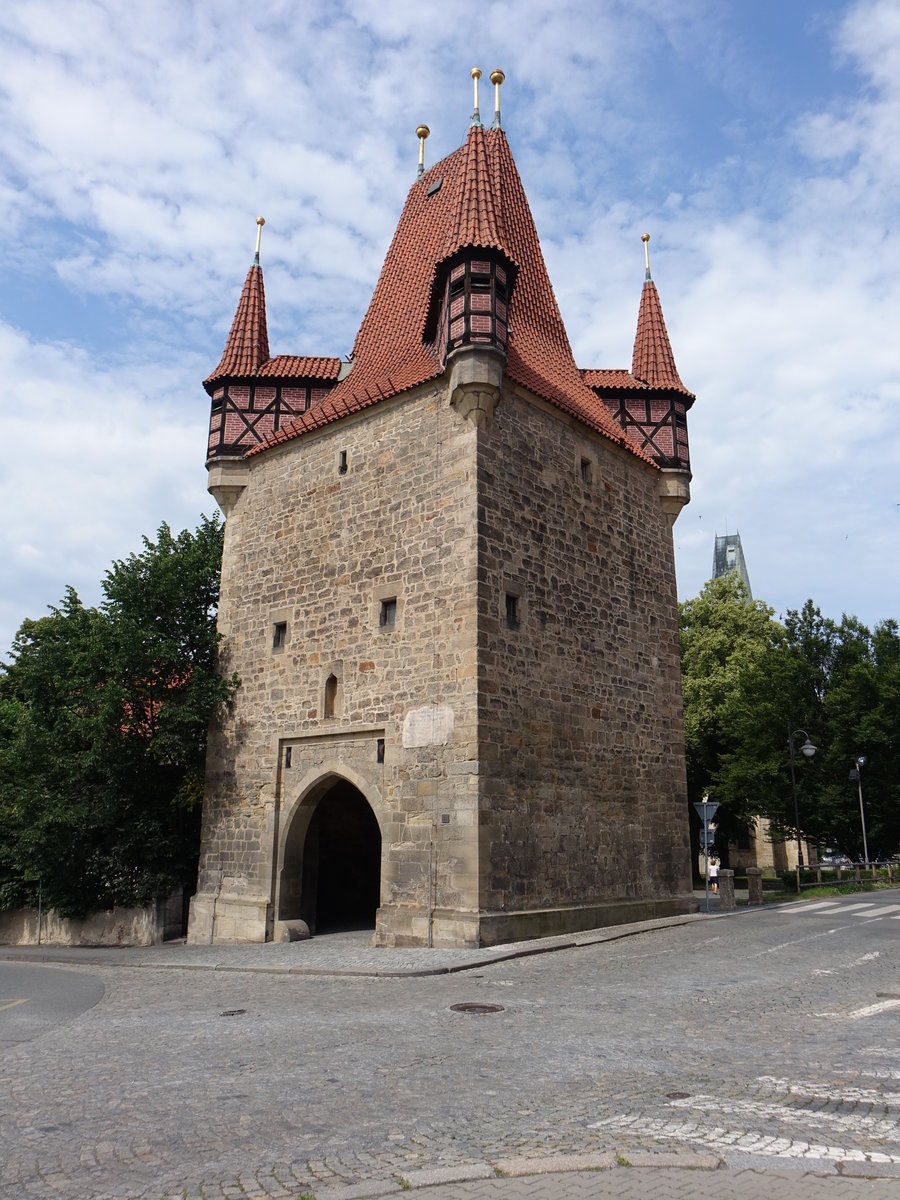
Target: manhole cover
column 476, row 1009
column 678, row 1095
column 233, row 1012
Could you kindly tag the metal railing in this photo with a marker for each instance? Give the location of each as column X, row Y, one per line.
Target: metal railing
column 854, row 873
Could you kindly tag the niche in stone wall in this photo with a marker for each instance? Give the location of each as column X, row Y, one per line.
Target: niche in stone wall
column 332, row 705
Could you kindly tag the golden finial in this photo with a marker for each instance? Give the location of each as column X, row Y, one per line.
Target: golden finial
column 476, row 75
column 422, row 132
column 260, row 221
column 645, row 238
column 497, row 78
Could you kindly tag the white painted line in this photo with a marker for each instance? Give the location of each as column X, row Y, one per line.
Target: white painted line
column 889, row 908
column 872, row 1010
column 856, row 910
column 814, row 906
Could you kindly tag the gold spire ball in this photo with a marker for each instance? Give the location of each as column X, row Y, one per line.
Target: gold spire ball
column 260, row 221
column 422, row 132
column 476, row 75
column 497, row 78
column 645, row 238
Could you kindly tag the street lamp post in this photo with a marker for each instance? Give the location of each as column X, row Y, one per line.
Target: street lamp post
column 807, row 750
column 856, row 777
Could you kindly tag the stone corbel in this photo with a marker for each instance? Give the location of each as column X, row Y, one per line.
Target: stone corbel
column 674, row 489
column 226, row 482
column 476, row 378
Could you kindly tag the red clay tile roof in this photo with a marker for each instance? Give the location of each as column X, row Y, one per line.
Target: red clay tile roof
column 247, row 347
column 481, row 201
column 653, row 362
column 476, row 217
column 613, row 378
column 296, row 366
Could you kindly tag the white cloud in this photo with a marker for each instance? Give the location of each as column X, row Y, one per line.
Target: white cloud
column 139, row 142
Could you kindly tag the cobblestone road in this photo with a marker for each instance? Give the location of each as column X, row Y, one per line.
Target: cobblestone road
column 763, row 1041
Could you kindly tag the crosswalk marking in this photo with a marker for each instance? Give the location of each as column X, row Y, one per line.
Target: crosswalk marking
column 816, row 906
column 829, row 908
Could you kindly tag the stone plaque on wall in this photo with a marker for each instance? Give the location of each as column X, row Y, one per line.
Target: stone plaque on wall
column 431, row 726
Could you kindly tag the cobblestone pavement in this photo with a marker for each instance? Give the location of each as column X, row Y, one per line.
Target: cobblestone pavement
column 753, row 1043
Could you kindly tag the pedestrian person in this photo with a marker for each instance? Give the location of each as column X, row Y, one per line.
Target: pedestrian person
column 714, row 874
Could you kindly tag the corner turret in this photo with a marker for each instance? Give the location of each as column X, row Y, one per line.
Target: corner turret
column 651, row 403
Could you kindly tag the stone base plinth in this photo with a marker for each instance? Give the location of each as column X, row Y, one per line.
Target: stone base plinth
column 226, row 919
column 408, row 926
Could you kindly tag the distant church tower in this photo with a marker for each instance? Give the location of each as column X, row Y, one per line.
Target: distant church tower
column 728, row 556
column 448, row 591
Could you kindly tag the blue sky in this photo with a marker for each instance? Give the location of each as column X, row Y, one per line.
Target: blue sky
column 756, row 142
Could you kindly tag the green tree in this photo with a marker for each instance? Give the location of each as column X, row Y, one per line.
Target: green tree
column 723, row 634
column 103, row 720
column 749, row 682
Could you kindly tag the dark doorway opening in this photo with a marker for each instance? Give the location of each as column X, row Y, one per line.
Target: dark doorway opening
column 341, row 863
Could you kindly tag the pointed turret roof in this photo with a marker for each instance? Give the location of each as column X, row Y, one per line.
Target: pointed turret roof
column 653, row 362
column 247, row 347
column 472, row 198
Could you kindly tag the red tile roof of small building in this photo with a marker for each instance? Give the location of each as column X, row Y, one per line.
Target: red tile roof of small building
column 653, row 362
column 613, row 378
column 247, row 347
column 297, row 366
column 480, row 202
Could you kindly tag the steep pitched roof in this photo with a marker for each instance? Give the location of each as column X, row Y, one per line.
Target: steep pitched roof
column 247, row 347
column 474, row 197
column 653, row 362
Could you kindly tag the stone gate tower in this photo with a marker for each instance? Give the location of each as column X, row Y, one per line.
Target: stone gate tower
column 448, row 589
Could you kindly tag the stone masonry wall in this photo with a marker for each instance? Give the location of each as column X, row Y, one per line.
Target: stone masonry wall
column 318, row 548
column 580, row 719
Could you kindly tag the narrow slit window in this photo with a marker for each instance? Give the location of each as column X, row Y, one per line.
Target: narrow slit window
column 342, row 463
column 512, row 611
column 585, row 470
column 287, row 756
column 379, row 750
column 279, row 635
column 331, row 692
column 387, row 615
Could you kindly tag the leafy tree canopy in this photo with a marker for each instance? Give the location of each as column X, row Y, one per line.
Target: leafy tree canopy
column 751, row 682
column 103, row 719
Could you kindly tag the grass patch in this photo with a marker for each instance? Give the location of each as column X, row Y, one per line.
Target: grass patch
column 403, row 1183
column 621, row 1160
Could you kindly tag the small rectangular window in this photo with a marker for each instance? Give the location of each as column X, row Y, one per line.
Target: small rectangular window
column 287, row 756
column 388, row 612
column 512, row 610
column 342, row 463
column 585, row 470
column 379, row 750
column 279, row 635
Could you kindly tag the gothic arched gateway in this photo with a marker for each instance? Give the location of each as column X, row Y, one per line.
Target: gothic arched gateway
column 331, row 871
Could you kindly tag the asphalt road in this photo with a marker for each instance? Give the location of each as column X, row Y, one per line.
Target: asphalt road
column 762, row 1041
column 37, row 1000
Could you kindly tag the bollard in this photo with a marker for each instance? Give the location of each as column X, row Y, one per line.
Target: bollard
column 726, row 891
column 754, row 885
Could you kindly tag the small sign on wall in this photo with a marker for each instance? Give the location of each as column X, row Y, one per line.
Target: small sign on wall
column 431, row 726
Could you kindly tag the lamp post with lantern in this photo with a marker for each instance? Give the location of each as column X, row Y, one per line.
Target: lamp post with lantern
column 807, row 750
column 856, row 777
